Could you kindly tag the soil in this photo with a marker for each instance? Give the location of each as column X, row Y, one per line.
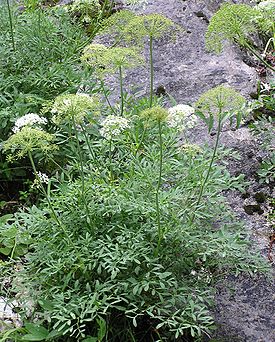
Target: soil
column 245, row 309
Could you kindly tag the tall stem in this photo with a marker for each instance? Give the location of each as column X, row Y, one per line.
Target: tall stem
column 44, row 191
column 110, row 159
column 81, row 170
column 106, row 97
column 121, row 91
column 11, row 25
column 160, row 231
column 151, row 71
column 259, row 57
column 88, row 144
column 209, row 168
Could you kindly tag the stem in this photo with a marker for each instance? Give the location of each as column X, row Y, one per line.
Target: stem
column 110, row 159
column 44, row 192
column 88, row 144
column 151, row 71
column 121, row 91
column 259, row 57
column 106, row 97
column 160, row 232
column 11, row 25
column 81, row 170
column 209, row 168
column 141, row 141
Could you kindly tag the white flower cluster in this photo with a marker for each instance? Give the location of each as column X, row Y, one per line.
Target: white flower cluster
column 113, row 126
column 181, row 117
column 266, row 5
column 137, row 4
column 41, row 178
column 28, row 120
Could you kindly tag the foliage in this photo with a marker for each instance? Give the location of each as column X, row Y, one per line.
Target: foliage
column 237, row 24
column 103, row 274
column 14, row 241
column 119, row 248
column 28, row 77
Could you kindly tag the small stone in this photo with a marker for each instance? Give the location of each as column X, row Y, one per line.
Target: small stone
column 260, row 197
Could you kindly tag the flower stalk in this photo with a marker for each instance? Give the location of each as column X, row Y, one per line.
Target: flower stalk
column 151, row 70
column 11, row 25
column 160, row 230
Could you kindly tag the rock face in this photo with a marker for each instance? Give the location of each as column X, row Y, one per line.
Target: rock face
column 244, row 306
column 184, row 67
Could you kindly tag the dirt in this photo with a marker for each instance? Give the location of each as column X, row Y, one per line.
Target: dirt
column 244, row 305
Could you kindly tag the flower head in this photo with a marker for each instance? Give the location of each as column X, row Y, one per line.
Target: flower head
column 219, row 100
column 30, row 119
column 75, row 106
column 181, row 117
column 108, row 60
column 27, row 140
column 191, row 149
column 156, row 113
column 137, row 3
column 233, row 23
column 113, row 126
column 40, row 178
column 87, row 9
column 150, row 25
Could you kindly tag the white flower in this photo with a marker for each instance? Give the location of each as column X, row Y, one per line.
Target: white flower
column 181, row 117
column 113, row 126
column 28, row 120
column 43, row 177
column 137, row 4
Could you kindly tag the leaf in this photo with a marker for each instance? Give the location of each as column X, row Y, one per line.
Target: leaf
column 37, row 333
column 5, row 250
column 90, row 339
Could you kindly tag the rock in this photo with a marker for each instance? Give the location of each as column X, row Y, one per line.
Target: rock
column 250, row 209
column 8, row 318
column 260, row 197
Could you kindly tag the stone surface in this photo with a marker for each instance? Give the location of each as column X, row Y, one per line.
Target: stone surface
column 8, row 318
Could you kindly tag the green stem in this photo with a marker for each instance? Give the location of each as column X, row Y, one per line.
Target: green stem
column 81, row 170
column 88, row 144
column 11, row 25
column 140, row 142
column 209, row 168
column 258, row 56
column 44, row 192
column 121, row 91
column 151, row 71
column 107, row 98
column 110, row 159
column 160, row 231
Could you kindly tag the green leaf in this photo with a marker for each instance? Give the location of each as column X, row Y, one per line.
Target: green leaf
column 5, row 250
column 36, row 333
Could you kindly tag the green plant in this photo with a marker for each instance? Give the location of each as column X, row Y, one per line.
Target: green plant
column 236, row 24
column 136, row 259
column 14, row 241
column 215, row 107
